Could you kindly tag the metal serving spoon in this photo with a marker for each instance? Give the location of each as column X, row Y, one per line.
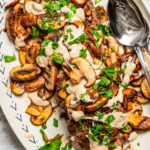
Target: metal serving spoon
column 129, row 27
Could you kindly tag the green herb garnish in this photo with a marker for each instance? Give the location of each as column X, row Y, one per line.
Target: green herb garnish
column 79, row 39
column 35, row 32
column 9, row 58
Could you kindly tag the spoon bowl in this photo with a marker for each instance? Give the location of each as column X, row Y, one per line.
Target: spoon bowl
column 129, row 27
column 127, row 23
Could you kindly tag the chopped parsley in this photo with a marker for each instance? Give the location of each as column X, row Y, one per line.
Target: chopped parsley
column 52, row 7
column 110, row 72
column 69, row 16
column 94, row 138
column 41, row 131
column 97, row 1
column 58, row 59
column 55, row 45
column 96, row 128
column 9, row 58
column 35, row 32
column 99, row 105
column 104, row 82
column 83, row 53
column 44, row 126
column 66, row 86
column 65, row 37
column 42, row 52
column 79, row 39
column 124, row 86
column 106, row 140
column 67, row 147
column 73, row 8
column 109, row 119
column 80, row 123
column 105, row 29
column 100, row 116
column 44, row 21
column 38, row 59
column 127, row 127
column 107, row 93
column 55, row 123
column 71, row 36
column 123, row 69
column 69, row 30
column 42, row 119
column 138, row 144
column 51, row 30
column 112, row 48
column 111, row 145
column 103, row 14
column 45, row 42
column 53, row 145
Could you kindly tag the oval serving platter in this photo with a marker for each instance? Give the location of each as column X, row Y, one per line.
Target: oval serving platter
column 14, row 106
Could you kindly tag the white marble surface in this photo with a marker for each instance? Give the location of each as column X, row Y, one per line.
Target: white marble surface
column 8, row 140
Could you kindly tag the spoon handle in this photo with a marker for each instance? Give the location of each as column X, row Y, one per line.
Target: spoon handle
column 141, row 58
column 147, row 46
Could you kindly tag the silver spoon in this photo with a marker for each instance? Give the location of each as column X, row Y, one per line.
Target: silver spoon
column 129, row 27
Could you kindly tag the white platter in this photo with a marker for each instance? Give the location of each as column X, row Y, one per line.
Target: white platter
column 14, row 107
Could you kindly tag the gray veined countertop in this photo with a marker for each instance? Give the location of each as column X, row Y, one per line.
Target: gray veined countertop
column 8, row 140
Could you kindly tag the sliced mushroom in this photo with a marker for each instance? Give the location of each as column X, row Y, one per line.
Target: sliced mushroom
column 35, row 84
column 19, row 29
column 134, row 120
column 97, row 105
column 86, row 68
column 113, row 48
column 33, row 40
column 33, row 110
column 93, row 94
column 115, row 88
column 138, row 82
column 12, row 4
column 75, row 76
column 22, row 57
column 68, row 101
column 128, row 130
column 45, row 94
column 130, row 94
column 33, row 52
column 144, row 125
column 136, row 108
column 9, row 24
column 17, row 87
column 141, row 99
column 57, row 24
column 33, row 96
column 145, row 88
column 102, row 14
column 44, row 115
column 79, row 3
column 62, row 93
column 50, row 74
column 78, row 23
column 26, row 72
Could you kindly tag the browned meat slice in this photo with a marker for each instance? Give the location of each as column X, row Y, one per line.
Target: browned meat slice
column 29, row 20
